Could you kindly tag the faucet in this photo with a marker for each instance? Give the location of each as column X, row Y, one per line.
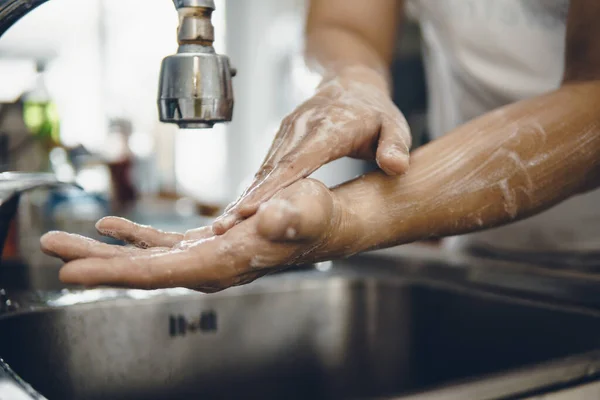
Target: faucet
column 12, row 186
column 195, row 90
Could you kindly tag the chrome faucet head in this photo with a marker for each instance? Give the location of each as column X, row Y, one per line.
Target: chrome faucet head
column 195, row 89
column 195, row 84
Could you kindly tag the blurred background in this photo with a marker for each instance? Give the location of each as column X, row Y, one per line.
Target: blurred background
column 78, row 88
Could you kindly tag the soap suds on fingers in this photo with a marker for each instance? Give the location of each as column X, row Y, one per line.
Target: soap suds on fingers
column 345, row 117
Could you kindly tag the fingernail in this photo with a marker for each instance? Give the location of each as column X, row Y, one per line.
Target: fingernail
column 100, row 221
column 52, row 233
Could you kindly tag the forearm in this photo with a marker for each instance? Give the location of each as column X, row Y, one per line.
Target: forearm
column 351, row 33
column 331, row 49
column 504, row 166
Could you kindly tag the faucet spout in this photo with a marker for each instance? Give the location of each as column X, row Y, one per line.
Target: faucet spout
column 195, row 89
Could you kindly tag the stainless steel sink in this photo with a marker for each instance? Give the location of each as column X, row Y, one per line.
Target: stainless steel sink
column 305, row 335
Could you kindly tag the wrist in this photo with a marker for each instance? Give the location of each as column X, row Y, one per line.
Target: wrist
column 375, row 76
column 350, row 231
column 381, row 211
column 341, row 237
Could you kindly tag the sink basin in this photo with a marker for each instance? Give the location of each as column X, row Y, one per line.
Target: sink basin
column 295, row 336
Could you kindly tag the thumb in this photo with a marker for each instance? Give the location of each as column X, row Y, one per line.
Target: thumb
column 394, row 146
column 302, row 212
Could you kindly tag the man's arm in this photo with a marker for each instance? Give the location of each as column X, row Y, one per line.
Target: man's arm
column 341, row 33
column 506, row 165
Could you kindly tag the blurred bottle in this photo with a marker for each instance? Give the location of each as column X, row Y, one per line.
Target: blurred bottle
column 40, row 113
column 121, row 162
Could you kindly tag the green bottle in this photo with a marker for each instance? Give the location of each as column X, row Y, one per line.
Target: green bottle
column 40, row 113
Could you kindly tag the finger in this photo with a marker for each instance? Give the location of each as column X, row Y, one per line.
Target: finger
column 394, row 146
column 291, row 132
column 278, row 142
column 199, row 233
column 229, row 217
column 226, row 221
column 143, row 272
column 278, row 220
column 200, row 270
column 208, row 265
column 301, row 212
column 69, row 247
column 282, row 176
column 275, row 153
column 309, row 156
column 298, row 159
column 139, row 235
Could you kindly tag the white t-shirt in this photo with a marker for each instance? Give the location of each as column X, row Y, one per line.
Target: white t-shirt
column 480, row 55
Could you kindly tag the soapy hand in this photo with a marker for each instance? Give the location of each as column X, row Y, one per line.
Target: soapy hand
column 350, row 115
column 298, row 225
